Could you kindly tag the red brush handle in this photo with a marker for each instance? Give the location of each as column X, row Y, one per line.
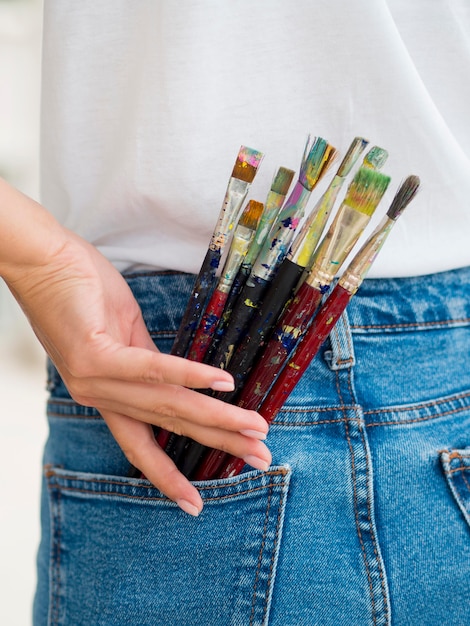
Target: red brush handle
column 319, row 330
column 208, row 325
column 292, row 327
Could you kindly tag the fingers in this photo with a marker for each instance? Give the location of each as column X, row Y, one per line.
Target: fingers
column 134, row 364
column 171, row 406
column 138, row 444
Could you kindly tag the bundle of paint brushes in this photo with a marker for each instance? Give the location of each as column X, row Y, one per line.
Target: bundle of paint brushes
column 261, row 306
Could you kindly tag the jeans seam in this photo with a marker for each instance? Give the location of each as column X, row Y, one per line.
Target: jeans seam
column 451, row 322
column 56, row 550
column 50, row 472
column 356, row 515
column 260, row 558
column 273, row 556
column 425, row 418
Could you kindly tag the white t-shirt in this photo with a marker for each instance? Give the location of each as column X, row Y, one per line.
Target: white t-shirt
column 146, row 104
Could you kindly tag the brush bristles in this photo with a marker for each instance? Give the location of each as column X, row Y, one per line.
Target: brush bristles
column 366, row 190
column 313, row 163
column 282, row 181
column 357, row 146
column 246, row 165
column 375, row 158
column 251, row 215
column 403, row 197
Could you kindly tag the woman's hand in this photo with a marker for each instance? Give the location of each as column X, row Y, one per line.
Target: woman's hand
column 89, row 323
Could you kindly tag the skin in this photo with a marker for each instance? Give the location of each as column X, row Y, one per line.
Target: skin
column 90, row 325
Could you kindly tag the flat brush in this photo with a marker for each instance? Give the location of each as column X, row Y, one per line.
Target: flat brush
column 363, row 195
column 274, row 201
column 330, row 312
column 243, row 173
column 243, row 236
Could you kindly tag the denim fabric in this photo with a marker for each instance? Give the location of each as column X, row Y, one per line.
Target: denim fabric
column 363, row 519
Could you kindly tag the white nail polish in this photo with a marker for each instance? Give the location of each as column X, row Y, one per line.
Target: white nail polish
column 223, row 385
column 187, row 507
column 255, row 434
column 256, row 462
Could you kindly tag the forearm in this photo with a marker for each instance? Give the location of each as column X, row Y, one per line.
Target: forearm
column 29, row 235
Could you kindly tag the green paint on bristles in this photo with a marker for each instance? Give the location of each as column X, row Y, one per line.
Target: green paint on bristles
column 251, row 215
column 282, row 181
column 375, row 158
column 316, row 162
column 407, row 191
column 366, row 190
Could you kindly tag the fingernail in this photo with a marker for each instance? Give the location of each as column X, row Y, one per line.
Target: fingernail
column 255, row 434
column 256, row 462
column 187, row 507
column 223, row 385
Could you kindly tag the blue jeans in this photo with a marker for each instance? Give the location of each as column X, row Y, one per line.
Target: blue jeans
column 363, row 518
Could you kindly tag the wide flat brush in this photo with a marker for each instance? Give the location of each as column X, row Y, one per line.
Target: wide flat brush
column 243, row 236
column 330, row 312
column 363, row 195
column 243, row 173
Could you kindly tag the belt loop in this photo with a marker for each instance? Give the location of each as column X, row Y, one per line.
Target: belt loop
column 341, row 356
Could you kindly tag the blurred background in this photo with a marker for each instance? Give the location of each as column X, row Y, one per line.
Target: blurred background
column 22, row 379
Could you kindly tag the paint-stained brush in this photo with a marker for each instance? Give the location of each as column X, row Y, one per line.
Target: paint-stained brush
column 242, row 239
column 330, row 312
column 306, row 241
column 274, row 201
column 244, row 171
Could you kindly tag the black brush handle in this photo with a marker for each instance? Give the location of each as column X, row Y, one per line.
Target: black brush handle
column 203, row 286
column 248, row 301
column 262, row 325
column 188, row 454
column 237, row 286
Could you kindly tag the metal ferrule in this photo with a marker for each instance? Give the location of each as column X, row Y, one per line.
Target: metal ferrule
column 242, row 238
column 273, row 205
column 357, row 270
column 335, row 247
column 234, row 196
column 302, row 249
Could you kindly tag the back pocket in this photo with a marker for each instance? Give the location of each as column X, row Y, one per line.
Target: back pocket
column 122, row 553
column 456, row 464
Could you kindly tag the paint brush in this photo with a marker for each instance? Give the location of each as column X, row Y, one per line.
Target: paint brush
column 243, row 173
column 274, row 201
column 330, row 312
column 315, row 162
column 243, row 236
column 362, row 198
column 306, row 241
